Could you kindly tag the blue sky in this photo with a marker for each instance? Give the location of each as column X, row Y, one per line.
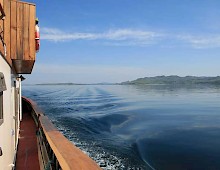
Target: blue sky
column 89, row 41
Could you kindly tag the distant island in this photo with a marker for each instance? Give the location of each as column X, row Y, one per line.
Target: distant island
column 158, row 80
column 175, row 80
column 69, row 84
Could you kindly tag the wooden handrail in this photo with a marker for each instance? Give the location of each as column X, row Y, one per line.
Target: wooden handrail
column 67, row 154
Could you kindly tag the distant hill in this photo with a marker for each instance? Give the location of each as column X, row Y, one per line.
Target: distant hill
column 69, row 84
column 57, row 84
column 176, row 80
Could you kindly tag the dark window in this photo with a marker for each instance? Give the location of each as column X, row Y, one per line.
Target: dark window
column 1, row 108
column 2, row 88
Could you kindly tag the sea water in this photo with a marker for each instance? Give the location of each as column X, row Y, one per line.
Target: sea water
column 137, row 127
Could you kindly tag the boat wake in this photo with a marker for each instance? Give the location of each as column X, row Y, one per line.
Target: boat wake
column 102, row 151
column 137, row 127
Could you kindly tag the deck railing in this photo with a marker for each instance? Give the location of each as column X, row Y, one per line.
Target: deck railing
column 55, row 151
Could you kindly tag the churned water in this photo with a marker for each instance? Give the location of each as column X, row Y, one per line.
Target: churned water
column 137, row 127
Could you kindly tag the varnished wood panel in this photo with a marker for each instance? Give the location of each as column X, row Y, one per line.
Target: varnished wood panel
column 20, row 30
column 13, row 29
column 26, row 16
column 1, row 28
column 32, row 51
column 23, row 66
column 7, row 28
column 19, row 33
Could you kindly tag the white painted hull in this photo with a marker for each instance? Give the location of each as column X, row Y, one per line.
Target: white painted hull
column 8, row 138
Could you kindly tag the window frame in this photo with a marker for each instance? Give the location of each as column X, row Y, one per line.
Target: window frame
column 2, row 89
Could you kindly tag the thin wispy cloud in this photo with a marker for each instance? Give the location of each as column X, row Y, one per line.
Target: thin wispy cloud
column 53, row 34
column 202, row 42
column 133, row 37
column 117, row 36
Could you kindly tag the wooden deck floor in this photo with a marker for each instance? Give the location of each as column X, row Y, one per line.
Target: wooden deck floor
column 27, row 156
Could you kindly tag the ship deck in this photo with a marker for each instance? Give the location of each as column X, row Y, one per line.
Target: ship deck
column 27, row 155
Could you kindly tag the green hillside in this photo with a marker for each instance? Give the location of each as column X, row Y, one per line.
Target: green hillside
column 176, row 80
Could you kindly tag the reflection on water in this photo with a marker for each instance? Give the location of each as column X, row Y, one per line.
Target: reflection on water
column 137, row 127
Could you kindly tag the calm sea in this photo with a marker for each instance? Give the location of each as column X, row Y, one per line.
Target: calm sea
column 137, row 127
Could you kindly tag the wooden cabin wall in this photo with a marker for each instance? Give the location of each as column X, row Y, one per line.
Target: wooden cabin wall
column 7, row 29
column 13, row 28
column 19, row 30
column 1, row 28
